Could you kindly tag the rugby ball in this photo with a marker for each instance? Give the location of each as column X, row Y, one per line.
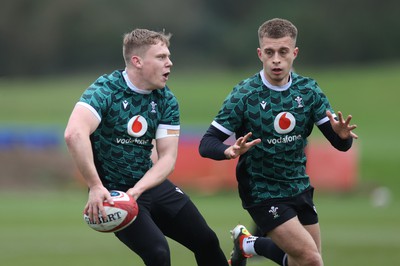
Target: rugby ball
column 120, row 215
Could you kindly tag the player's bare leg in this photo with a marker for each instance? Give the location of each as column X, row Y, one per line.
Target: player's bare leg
column 301, row 244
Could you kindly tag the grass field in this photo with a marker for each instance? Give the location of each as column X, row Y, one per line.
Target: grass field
column 46, row 228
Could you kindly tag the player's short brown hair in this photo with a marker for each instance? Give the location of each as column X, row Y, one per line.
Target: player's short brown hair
column 277, row 28
column 138, row 41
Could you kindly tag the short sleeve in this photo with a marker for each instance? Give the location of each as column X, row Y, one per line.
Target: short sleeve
column 321, row 105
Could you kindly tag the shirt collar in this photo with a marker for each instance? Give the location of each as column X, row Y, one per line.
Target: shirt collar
column 133, row 87
column 273, row 87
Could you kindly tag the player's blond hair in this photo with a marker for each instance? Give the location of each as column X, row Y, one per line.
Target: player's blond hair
column 277, row 28
column 138, row 41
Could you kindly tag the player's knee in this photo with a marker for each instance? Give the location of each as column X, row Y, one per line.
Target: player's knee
column 312, row 259
column 160, row 256
column 306, row 258
column 210, row 239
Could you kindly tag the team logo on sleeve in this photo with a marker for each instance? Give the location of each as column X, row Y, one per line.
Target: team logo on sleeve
column 284, row 122
column 137, row 126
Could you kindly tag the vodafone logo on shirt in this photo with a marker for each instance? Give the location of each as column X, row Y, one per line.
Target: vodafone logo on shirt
column 137, row 126
column 284, row 122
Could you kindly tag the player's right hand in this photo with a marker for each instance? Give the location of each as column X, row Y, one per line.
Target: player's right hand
column 241, row 146
column 94, row 207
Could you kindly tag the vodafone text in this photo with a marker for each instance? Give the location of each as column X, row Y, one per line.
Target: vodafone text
column 130, row 140
column 285, row 139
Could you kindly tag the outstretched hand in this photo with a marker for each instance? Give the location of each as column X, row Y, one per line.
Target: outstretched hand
column 241, row 146
column 342, row 127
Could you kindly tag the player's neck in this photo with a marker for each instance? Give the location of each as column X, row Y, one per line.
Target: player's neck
column 133, row 82
column 273, row 85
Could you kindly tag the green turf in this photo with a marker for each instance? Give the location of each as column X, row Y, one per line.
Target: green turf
column 47, row 229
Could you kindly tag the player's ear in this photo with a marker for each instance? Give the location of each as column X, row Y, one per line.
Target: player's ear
column 259, row 53
column 136, row 61
column 296, row 52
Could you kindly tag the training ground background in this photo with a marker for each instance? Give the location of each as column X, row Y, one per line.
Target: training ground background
column 42, row 197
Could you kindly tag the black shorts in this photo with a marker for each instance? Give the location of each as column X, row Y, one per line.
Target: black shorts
column 275, row 212
column 165, row 199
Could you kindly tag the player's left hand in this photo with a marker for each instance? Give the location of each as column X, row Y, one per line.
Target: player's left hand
column 342, row 127
column 134, row 193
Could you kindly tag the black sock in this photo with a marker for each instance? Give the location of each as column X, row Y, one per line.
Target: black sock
column 264, row 246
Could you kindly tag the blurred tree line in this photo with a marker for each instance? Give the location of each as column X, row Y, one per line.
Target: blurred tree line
column 40, row 37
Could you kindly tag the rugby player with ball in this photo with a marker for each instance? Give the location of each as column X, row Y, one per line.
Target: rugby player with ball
column 122, row 121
